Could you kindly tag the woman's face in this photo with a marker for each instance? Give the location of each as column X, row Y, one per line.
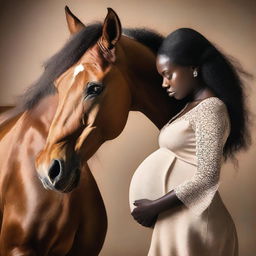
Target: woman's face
column 178, row 80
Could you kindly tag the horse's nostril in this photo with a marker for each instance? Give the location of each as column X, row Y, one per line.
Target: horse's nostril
column 55, row 170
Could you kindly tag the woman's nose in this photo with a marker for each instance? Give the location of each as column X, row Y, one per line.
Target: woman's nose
column 165, row 82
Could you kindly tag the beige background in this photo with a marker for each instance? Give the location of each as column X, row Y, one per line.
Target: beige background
column 31, row 31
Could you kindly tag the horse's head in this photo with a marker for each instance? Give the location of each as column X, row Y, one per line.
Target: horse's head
column 94, row 102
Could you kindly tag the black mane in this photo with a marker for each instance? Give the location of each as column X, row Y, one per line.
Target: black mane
column 145, row 36
column 71, row 52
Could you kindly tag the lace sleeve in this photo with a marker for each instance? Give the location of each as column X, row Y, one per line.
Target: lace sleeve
column 211, row 125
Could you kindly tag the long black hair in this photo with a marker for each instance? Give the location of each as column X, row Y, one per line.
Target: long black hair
column 221, row 73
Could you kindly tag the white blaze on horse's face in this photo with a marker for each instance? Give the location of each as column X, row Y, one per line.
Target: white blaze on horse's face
column 79, row 68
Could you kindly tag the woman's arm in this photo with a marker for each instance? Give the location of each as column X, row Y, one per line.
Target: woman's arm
column 210, row 122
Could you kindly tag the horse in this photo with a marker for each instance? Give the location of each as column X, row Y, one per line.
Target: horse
column 35, row 221
column 50, row 202
column 116, row 75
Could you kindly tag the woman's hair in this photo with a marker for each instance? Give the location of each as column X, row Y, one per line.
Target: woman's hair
column 187, row 47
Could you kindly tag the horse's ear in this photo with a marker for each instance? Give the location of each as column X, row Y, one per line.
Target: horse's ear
column 74, row 24
column 111, row 30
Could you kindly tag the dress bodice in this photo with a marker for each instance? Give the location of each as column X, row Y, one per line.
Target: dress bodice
column 179, row 135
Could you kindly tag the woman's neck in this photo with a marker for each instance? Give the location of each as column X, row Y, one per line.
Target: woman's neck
column 201, row 93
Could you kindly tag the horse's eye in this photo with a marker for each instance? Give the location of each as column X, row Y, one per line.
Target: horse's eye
column 93, row 89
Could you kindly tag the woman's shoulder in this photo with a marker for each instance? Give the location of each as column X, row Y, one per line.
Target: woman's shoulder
column 212, row 106
column 212, row 103
column 211, row 111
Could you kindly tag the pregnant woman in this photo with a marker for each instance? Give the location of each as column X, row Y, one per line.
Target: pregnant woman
column 175, row 189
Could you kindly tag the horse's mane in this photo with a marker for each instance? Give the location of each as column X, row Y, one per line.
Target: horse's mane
column 70, row 53
column 148, row 37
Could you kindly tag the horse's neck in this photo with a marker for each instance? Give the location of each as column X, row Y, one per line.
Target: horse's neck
column 154, row 103
column 22, row 143
column 148, row 96
column 29, row 130
column 43, row 113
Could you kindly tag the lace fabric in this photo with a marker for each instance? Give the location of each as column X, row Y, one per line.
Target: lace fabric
column 210, row 122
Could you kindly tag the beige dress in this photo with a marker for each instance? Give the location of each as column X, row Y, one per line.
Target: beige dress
column 189, row 160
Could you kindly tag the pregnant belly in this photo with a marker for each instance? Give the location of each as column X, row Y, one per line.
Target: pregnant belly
column 150, row 178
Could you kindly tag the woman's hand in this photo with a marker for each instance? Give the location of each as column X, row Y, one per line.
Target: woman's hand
column 147, row 210
column 145, row 213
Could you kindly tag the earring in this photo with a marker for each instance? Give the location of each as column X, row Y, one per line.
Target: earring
column 195, row 73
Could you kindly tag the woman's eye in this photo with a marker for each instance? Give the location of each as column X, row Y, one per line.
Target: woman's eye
column 166, row 75
column 93, row 89
column 169, row 77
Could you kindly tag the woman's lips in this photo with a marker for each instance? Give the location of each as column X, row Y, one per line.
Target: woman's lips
column 170, row 92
